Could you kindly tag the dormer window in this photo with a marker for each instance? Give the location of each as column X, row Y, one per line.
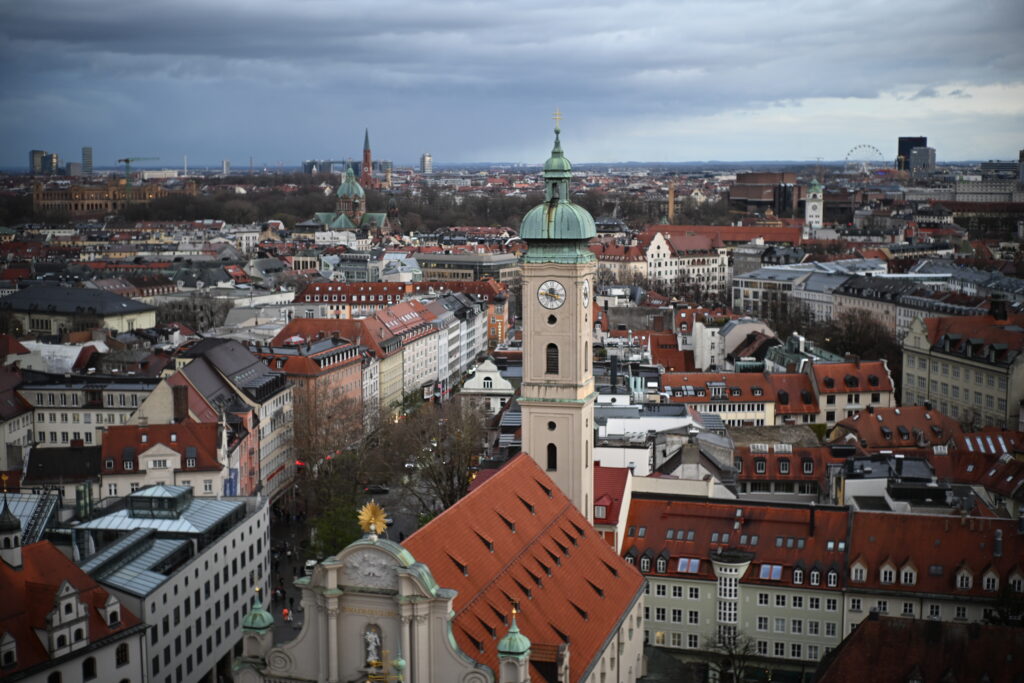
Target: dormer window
column 815, row 577
column 991, row 583
column 798, row 576
column 908, row 577
column 784, row 466
column 964, row 581
column 888, row 575
column 645, row 564
column 833, row 579
column 661, row 565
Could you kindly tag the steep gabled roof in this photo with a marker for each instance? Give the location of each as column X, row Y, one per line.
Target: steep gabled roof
column 896, row 649
column 517, row 537
column 28, row 596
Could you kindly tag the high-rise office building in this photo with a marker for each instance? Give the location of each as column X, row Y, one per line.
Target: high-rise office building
column 225, row 167
column 35, row 161
column 922, row 160
column 904, row 146
column 87, row 161
column 426, row 163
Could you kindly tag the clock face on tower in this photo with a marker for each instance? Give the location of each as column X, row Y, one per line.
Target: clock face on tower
column 551, row 294
column 586, row 294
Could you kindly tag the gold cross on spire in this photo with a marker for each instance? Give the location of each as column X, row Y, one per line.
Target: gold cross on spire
column 558, row 118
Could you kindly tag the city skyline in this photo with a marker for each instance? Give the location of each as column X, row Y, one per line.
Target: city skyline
column 651, row 82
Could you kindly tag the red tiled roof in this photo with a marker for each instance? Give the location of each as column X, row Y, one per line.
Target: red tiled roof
column 782, row 536
column 472, row 548
column 937, row 547
column 793, row 393
column 853, row 376
column 9, row 346
column 894, row 650
column 28, row 596
column 984, row 329
column 747, row 384
column 819, row 459
column 609, row 489
column 903, row 427
column 665, row 353
column 182, row 437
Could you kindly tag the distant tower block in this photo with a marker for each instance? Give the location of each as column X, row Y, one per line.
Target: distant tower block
column 225, row 167
column 814, row 207
column 87, row 161
column 426, row 163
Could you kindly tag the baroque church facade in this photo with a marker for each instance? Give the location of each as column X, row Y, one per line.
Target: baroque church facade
column 512, row 583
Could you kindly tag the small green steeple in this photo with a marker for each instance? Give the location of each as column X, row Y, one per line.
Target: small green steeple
column 558, row 230
column 258, row 619
column 514, row 644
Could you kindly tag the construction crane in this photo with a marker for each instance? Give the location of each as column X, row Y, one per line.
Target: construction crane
column 127, row 161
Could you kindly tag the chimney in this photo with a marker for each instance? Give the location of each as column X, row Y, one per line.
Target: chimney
column 899, row 465
column 180, row 402
column 997, row 306
column 614, row 372
column 997, row 545
column 811, row 530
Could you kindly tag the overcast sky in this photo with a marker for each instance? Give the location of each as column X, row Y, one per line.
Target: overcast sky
column 654, row 80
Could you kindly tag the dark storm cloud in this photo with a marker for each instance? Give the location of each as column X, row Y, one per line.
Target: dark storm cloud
column 286, row 80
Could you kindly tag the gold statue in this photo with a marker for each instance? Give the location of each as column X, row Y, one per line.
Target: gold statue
column 372, row 519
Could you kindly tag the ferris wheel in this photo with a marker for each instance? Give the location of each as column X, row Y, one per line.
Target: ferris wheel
column 863, row 160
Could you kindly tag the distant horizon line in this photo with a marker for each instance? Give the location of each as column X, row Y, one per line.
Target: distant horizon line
column 243, row 168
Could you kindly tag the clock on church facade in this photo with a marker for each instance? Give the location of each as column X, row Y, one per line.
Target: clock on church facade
column 558, row 381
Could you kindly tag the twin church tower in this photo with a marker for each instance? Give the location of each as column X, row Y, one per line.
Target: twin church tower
column 558, row 392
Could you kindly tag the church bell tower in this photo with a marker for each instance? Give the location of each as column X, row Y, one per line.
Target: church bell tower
column 558, row 380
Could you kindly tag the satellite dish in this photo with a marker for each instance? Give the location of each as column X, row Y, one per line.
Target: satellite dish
column 180, row 283
column 199, row 284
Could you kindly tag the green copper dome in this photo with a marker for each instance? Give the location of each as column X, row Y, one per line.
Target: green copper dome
column 258, row 619
column 514, row 643
column 558, row 230
column 350, row 187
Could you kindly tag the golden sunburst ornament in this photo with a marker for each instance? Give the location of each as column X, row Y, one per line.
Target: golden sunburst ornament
column 372, row 519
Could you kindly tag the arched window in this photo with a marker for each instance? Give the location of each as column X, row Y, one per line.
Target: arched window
column 551, row 360
column 67, row 608
column 115, row 616
column 552, row 457
column 61, row 641
column 645, row 564
column 7, row 542
column 78, row 634
column 488, row 383
column 89, row 668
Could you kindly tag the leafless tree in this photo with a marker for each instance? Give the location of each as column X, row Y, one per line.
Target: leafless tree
column 731, row 653
column 442, row 444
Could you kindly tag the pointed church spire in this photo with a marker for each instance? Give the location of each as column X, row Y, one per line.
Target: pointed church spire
column 366, row 141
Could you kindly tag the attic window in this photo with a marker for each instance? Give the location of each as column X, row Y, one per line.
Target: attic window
column 509, row 523
column 461, row 566
column 489, row 544
column 688, row 565
column 613, row 570
column 582, row 612
column 829, row 382
column 873, row 380
column 546, row 490
column 526, row 504
column 597, row 589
